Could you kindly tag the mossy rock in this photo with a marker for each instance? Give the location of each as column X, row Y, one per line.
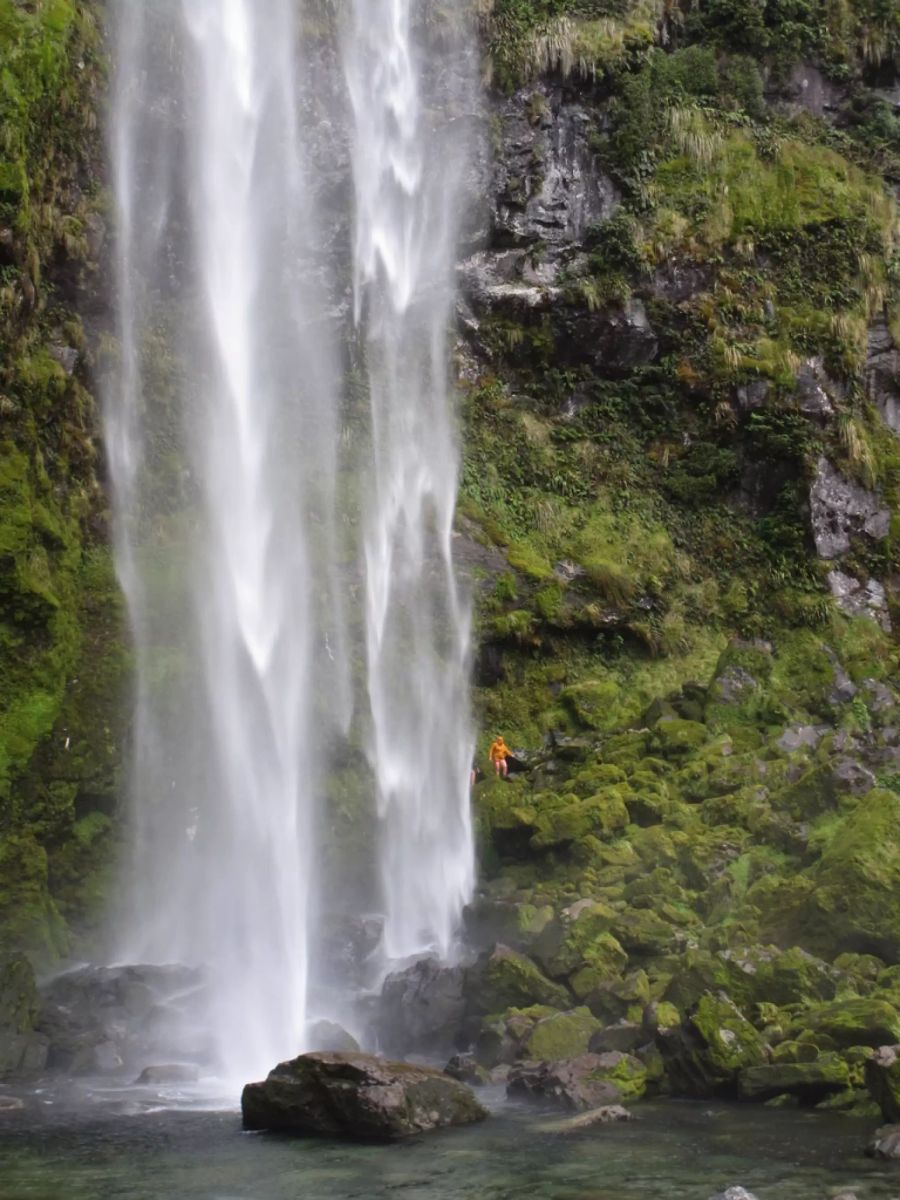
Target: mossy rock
column 580, row 937
column 615, row 999
column 508, row 979
column 593, row 703
column 852, row 1022
column 562, row 1035
column 627, row 1072
column 599, row 815
column 677, row 738
column 810, row 1081
column 705, row 1055
column 795, row 1052
column 850, row 900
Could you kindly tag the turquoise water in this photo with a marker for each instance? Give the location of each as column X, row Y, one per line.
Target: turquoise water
column 82, row 1146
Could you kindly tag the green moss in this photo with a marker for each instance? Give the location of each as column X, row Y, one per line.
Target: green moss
column 562, row 1035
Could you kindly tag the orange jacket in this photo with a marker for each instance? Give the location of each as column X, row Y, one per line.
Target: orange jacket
column 499, row 750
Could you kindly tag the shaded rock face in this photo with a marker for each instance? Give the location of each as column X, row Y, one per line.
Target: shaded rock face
column 547, row 186
column 101, row 1020
column 841, row 510
column 883, row 374
column 356, row 1096
column 809, row 1081
column 576, row 1083
column 421, row 1007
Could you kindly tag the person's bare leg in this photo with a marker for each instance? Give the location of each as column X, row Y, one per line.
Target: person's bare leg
column 504, row 768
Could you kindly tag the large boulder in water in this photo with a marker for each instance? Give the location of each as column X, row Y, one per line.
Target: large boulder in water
column 357, row 1096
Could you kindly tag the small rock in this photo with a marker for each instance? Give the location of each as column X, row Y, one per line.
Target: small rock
column 734, row 1193
column 609, row 1114
column 169, row 1073
column 885, row 1143
column 467, row 1069
column 11, row 1104
column 860, row 599
column 66, row 356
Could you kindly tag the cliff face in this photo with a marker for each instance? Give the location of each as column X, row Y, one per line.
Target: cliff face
column 680, row 501
column 61, row 656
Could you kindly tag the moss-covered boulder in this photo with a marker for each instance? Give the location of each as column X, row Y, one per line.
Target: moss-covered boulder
column 507, row 979
column 580, row 938
column 811, row 1082
column 850, row 900
column 851, row 1022
column 562, row 1035
column 707, row 1052
column 624, row 1071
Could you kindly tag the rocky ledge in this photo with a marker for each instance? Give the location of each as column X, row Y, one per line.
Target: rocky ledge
column 357, row 1096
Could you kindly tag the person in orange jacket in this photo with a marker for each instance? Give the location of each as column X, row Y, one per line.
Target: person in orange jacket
column 498, row 754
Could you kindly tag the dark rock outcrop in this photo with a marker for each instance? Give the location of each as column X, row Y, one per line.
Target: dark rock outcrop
column 421, row 1007
column 356, row 1096
column 101, row 1020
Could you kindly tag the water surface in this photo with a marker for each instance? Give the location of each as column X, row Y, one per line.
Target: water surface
column 114, row 1146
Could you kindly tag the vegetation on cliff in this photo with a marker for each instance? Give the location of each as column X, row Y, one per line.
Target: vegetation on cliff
column 60, row 654
column 683, row 374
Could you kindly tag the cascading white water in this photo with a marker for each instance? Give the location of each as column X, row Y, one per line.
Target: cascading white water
column 223, row 428
column 407, row 177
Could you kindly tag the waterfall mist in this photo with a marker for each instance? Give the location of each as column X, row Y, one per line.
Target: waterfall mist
column 241, row 526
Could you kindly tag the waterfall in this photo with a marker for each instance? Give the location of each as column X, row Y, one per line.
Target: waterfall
column 237, row 545
column 406, row 174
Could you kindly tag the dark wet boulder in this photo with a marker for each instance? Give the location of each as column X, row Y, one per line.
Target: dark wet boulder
column 705, row 1054
column 421, row 1007
column 467, row 1069
column 357, row 1096
column 883, row 1080
column 576, row 1083
column 885, row 1143
column 810, row 1082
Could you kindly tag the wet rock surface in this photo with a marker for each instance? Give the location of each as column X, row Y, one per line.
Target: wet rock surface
column 356, row 1096
column 577, row 1083
column 103, row 1020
